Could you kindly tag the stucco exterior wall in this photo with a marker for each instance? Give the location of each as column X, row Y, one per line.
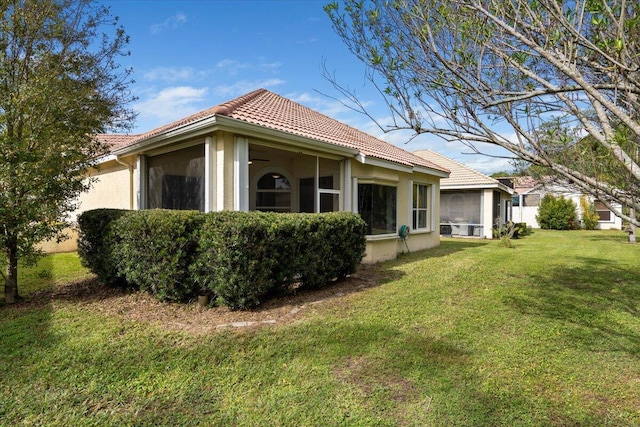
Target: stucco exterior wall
column 386, row 247
column 112, row 189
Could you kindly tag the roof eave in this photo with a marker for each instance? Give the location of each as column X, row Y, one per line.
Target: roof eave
column 374, row 161
column 218, row 122
column 477, row 187
column 431, row 171
column 195, row 129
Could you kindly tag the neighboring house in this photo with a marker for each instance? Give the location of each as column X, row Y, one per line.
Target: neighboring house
column 529, row 193
column 264, row 152
column 471, row 203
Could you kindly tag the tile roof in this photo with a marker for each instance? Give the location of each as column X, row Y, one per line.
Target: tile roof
column 523, row 184
column 461, row 176
column 267, row 109
column 115, row 141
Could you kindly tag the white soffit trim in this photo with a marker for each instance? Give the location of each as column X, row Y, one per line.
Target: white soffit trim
column 478, row 187
column 105, row 159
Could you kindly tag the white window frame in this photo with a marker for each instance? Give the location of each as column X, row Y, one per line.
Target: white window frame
column 321, row 191
column 427, row 209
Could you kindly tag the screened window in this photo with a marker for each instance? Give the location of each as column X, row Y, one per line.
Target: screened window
column 461, row 207
column 604, row 214
column 273, row 193
column 515, row 201
column 176, row 179
column 420, row 207
column 377, row 205
column 329, row 198
column 530, row 200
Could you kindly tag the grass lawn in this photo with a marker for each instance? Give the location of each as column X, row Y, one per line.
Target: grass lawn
column 469, row 334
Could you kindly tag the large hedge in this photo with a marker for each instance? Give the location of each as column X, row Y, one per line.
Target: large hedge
column 239, row 257
column 247, row 256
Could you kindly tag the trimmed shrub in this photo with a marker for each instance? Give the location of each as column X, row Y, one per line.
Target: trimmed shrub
column 557, row 213
column 336, row 249
column 96, row 244
column 237, row 257
column 244, row 257
column 156, row 249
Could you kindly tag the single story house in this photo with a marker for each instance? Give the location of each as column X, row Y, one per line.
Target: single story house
column 530, row 191
column 264, row 152
column 471, row 203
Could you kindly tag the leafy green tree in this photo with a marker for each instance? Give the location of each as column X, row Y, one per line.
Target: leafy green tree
column 59, row 85
column 557, row 213
column 532, row 76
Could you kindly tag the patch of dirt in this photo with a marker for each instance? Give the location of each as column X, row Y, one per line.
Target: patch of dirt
column 191, row 318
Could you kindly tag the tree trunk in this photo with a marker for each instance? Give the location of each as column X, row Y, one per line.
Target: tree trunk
column 11, row 278
column 632, row 233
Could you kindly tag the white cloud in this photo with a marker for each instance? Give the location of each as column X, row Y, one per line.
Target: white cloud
column 171, row 23
column 174, row 74
column 169, row 104
column 232, row 67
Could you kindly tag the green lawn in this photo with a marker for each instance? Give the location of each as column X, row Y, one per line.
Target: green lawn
column 470, row 334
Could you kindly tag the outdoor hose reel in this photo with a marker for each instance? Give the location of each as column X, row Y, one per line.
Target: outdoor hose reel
column 404, row 235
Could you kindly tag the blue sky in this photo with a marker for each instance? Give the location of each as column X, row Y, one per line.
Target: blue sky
column 193, row 54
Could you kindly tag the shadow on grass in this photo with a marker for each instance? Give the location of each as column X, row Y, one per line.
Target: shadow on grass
column 83, row 291
column 598, row 301
column 607, row 236
column 25, row 330
column 448, row 246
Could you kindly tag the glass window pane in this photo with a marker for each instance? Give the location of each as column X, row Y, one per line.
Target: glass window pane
column 422, row 219
column 273, row 193
column 422, row 196
column 377, row 206
column 329, row 202
column 420, row 206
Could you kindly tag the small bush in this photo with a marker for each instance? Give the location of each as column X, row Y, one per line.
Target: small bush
column 520, row 229
column 589, row 216
column 557, row 213
column 96, row 243
column 156, row 249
